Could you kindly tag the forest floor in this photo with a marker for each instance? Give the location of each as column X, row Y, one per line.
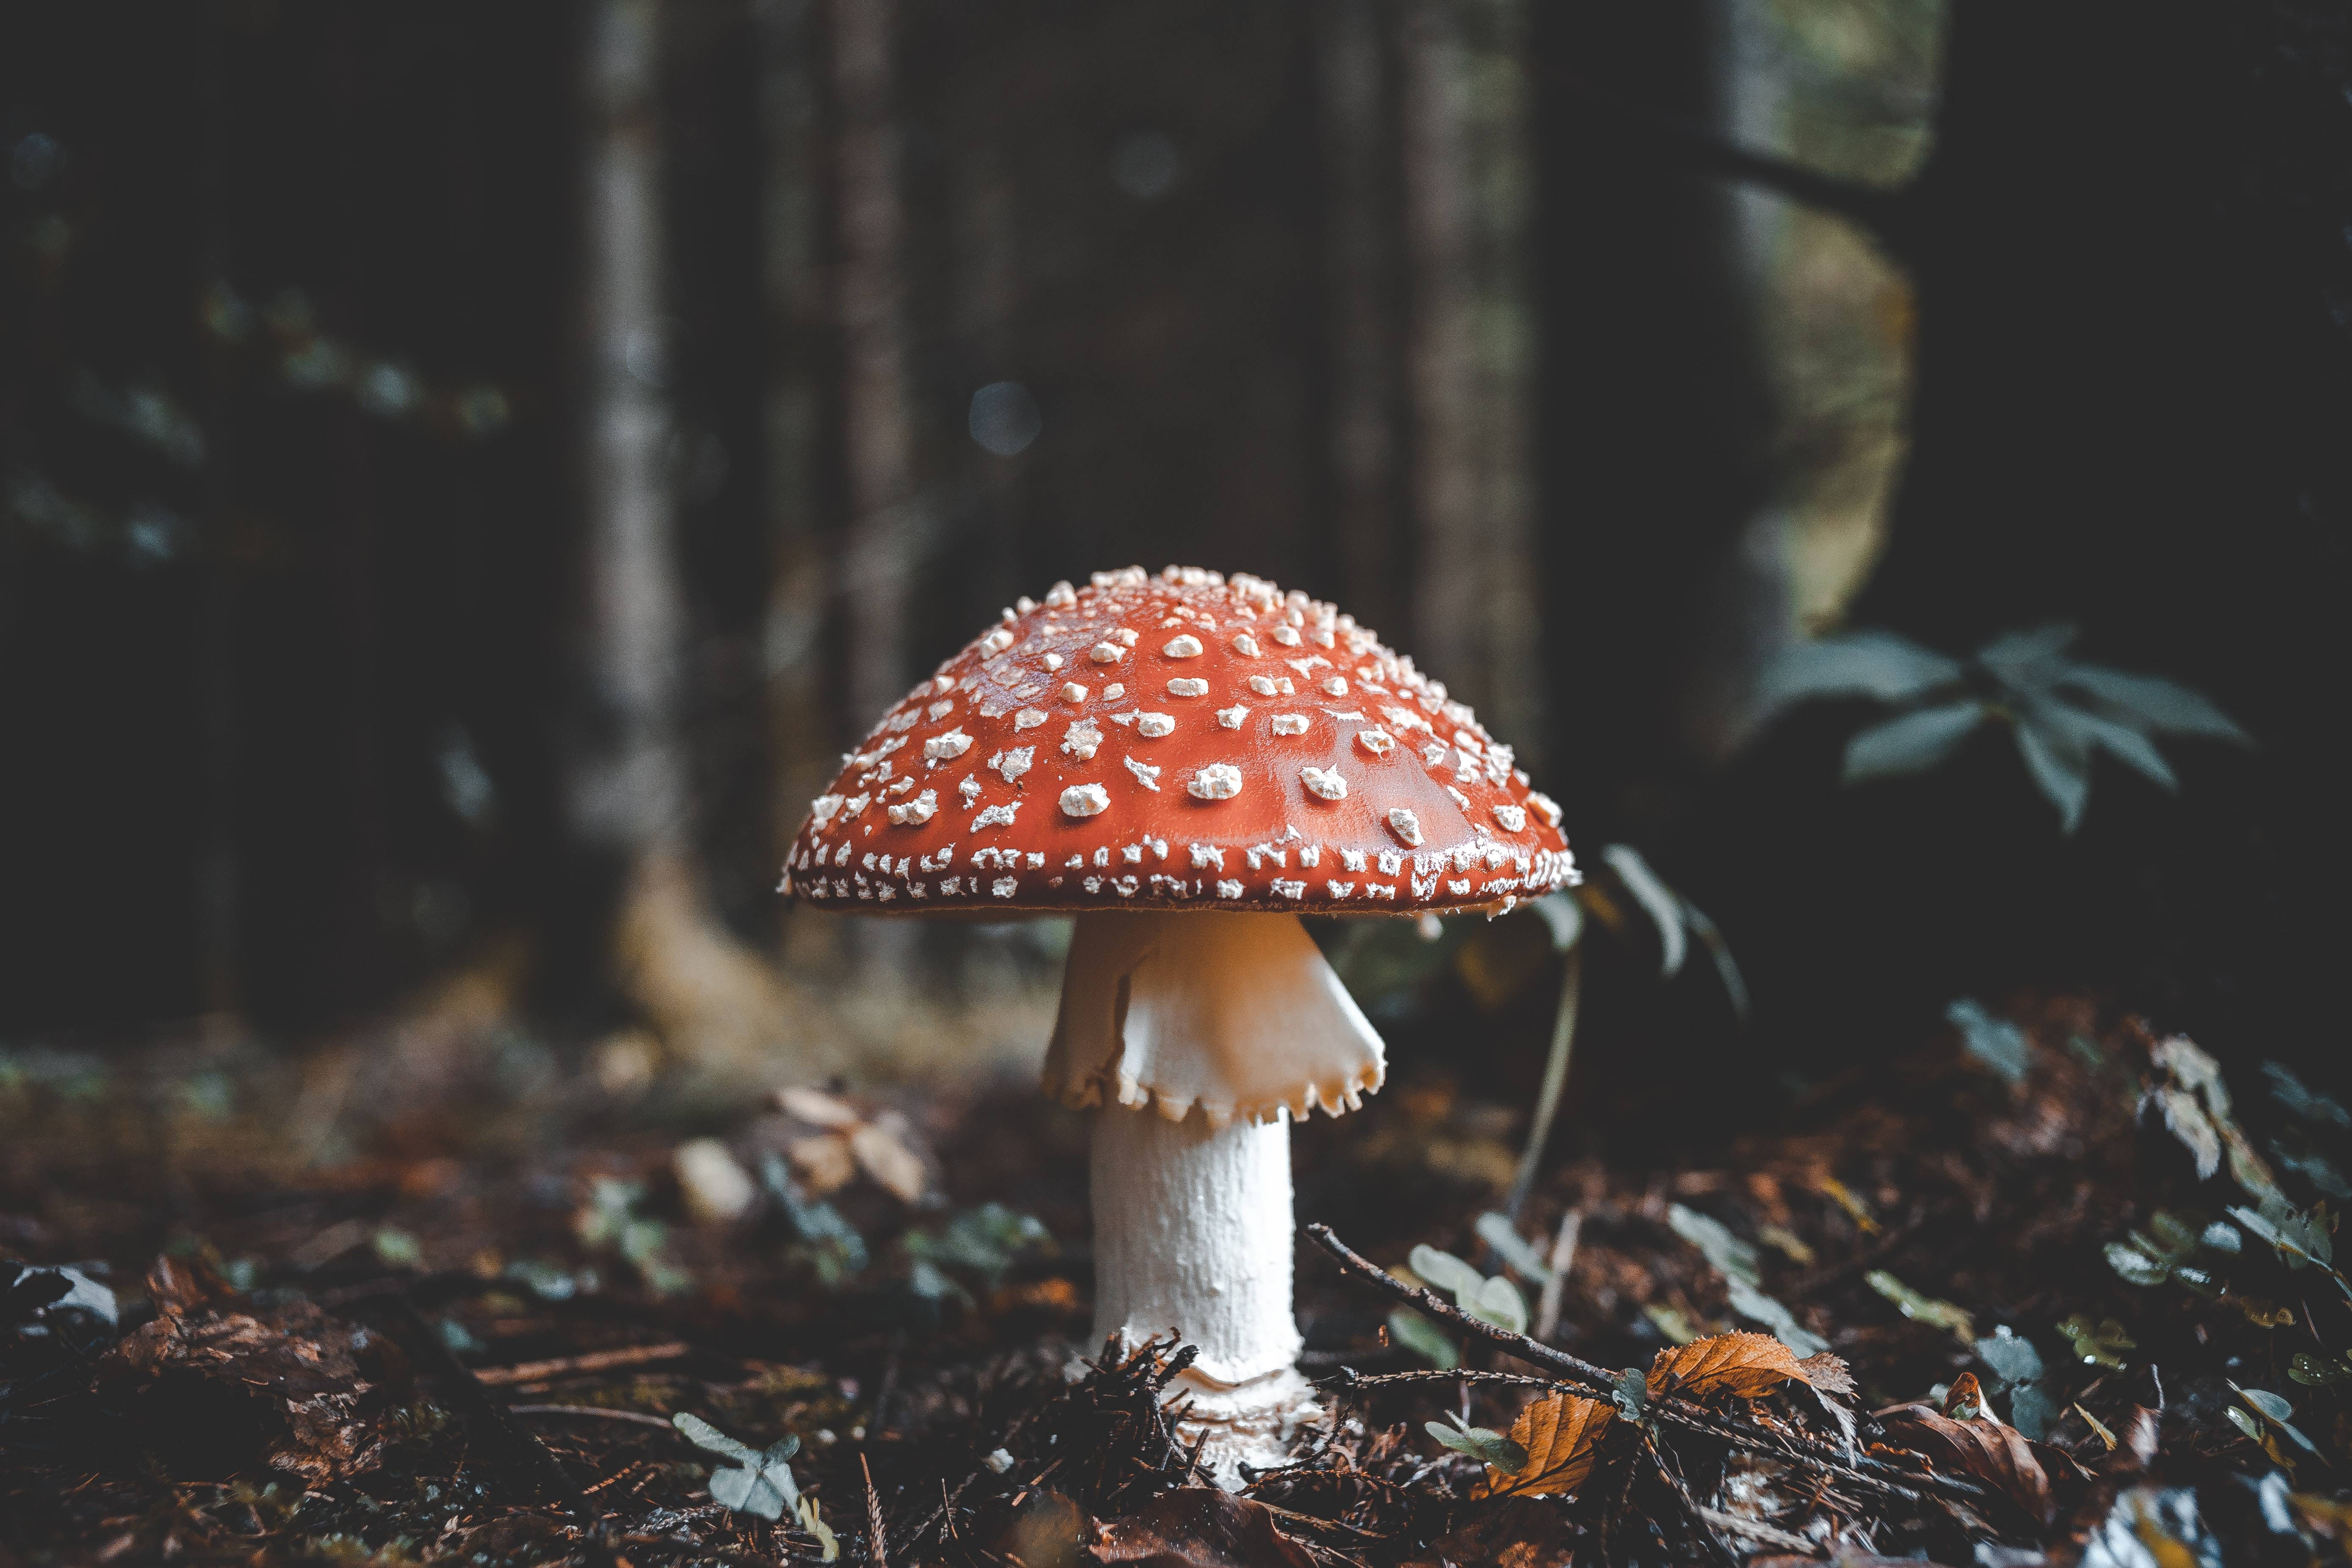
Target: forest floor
column 2066, row 1292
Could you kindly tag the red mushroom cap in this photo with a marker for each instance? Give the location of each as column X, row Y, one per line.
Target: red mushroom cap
column 1178, row 740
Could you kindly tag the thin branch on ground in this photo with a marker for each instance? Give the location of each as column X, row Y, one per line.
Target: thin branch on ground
column 1600, row 1383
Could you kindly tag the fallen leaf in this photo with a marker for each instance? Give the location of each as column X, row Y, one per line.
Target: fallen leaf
column 1744, row 1364
column 219, row 1387
column 1199, row 1527
column 825, row 1164
column 1561, row 1435
column 1965, row 1400
column 881, row 1149
column 1986, row 1451
column 818, row 1108
column 1828, row 1374
column 851, row 1142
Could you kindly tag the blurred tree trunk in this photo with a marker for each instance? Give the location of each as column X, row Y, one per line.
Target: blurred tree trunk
column 1655, row 419
column 800, row 719
column 1359, row 229
column 219, row 902
column 875, row 568
column 2134, row 385
column 709, row 997
column 358, row 560
column 1461, row 126
column 870, row 289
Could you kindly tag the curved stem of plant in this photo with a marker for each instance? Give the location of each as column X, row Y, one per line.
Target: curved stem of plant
column 1555, row 1081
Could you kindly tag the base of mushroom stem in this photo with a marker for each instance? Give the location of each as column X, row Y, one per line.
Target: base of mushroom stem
column 1255, row 1423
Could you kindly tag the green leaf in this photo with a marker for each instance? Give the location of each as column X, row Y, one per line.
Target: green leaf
column 1514, row 1249
column 1565, row 916
column 1444, row 1272
column 2136, row 1267
column 2269, row 1404
column 983, row 1242
column 761, row 1481
column 2296, row 1151
column 1673, row 1323
column 1423, row 1338
column 1499, row 1301
column 1954, row 1320
column 1660, row 902
column 2098, row 1344
column 2012, row 1357
column 2275, row 1411
column 1727, row 969
column 2032, row 1410
column 710, row 1439
column 1632, row 1393
column 2308, row 1103
column 2300, row 1238
column 2246, row 1422
column 2060, row 767
column 1486, row 1447
column 2088, row 731
column 1758, row 1308
column 2121, row 741
column 2154, row 703
column 1730, row 1257
column 2029, row 659
column 2313, row 1373
column 1910, row 742
column 1856, row 664
column 1996, row 1042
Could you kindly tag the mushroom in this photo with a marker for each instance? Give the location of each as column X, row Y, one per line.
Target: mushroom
column 1259, row 756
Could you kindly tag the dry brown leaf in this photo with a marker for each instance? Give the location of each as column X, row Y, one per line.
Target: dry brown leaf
column 217, row 1384
column 1965, row 1400
column 824, row 1163
column 1561, row 1434
column 1984, row 1450
column 881, row 1148
column 1747, row 1365
column 1828, row 1374
column 818, row 1108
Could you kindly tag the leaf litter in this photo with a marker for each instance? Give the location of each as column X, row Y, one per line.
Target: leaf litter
column 2010, row 1325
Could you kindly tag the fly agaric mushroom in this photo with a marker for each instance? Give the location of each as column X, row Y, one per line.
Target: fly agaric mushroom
column 1187, row 764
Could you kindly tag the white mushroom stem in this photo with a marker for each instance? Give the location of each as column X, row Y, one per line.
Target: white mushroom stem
column 1200, row 1035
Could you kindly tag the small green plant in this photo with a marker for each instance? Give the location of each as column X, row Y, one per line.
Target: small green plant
column 2062, row 713
column 759, row 1482
column 1482, row 1443
column 1496, row 1301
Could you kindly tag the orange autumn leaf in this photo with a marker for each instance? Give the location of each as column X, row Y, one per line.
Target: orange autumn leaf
column 1747, row 1365
column 1561, row 1434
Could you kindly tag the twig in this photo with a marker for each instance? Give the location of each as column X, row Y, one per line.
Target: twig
column 1715, row 1545
column 1562, row 1258
column 598, row 1411
column 595, row 1360
column 429, row 1346
column 1583, row 1373
column 1891, row 217
column 1786, row 1540
column 889, row 1387
column 1555, row 1081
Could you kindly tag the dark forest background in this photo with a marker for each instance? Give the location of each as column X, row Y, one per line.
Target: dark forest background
column 467, row 470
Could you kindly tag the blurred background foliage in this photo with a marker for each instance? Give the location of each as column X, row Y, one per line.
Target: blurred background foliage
column 467, row 472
